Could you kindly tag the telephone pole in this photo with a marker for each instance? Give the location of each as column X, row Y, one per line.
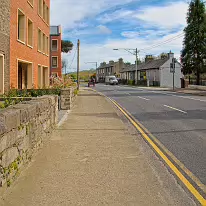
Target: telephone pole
column 135, row 52
column 78, row 62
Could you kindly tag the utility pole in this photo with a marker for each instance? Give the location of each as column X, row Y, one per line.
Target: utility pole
column 136, row 53
column 78, row 62
column 172, row 70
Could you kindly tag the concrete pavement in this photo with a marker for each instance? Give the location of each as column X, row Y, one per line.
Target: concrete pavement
column 96, row 158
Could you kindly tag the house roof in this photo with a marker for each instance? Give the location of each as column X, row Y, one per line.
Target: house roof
column 152, row 64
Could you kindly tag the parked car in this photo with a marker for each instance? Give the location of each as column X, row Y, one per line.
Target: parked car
column 112, row 80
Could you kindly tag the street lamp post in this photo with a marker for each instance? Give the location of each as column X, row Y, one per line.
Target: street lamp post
column 136, row 55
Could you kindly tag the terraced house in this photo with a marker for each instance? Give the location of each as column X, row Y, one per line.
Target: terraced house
column 29, row 43
column 4, row 45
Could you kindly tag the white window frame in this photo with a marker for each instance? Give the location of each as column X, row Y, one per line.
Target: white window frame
column 31, row 3
column 31, row 46
column 55, row 73
column 52, row 63
column 19, row 40
column 52, row 44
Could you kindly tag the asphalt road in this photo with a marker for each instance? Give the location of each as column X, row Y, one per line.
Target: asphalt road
column 178, row 121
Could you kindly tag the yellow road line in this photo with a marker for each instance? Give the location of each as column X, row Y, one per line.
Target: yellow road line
column 189, row 186
column 180, row 164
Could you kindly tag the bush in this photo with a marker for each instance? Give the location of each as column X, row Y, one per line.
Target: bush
column 131, row 82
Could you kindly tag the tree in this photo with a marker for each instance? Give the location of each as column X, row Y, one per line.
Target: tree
column 193, row 52
column 67, row 46
column 163, row 55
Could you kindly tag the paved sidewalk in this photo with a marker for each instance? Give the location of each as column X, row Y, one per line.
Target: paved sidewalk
column 93, row 159
column 191, row 91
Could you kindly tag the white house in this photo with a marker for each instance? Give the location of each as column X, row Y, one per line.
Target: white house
column 155, row 72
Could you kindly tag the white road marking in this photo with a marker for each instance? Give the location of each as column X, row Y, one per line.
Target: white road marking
column 144, row 98
column 201, row 100
column 175, row 109
column 184, row 97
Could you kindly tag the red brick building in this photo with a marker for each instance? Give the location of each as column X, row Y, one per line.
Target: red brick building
column 29, row 43
column 55, row 51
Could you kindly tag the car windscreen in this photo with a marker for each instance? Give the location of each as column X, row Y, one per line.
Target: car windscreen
column 112, row 78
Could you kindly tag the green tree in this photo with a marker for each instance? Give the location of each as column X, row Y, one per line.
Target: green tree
column 163, row 55
column 67, row 46
column 193, row 52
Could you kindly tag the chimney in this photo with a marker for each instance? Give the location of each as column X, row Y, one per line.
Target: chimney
column 111, row 62
column 149, row 58
column 170, row 55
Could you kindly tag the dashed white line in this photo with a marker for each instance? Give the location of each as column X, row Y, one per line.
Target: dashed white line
column 143, row 98
column 175, row 109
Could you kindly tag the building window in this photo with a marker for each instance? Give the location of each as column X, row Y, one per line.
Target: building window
column 54, row 74
column 44, row 43
column 31, row 2
column 40, row 76
column 44, row 10
column 21, row 26
column 30, row 33
column 47, row 15
column 54, row 62
column 40, row 7
column 45, row 76
column 54, row 44
column 1, row 74
column 39, row 40
column 47, row 45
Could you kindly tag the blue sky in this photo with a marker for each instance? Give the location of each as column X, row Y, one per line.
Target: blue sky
column 102, row 25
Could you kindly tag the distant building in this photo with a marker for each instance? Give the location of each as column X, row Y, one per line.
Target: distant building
column 55, row 51
column 112, row 68
column 29, row 43
column 4, row 45
column 154, row 72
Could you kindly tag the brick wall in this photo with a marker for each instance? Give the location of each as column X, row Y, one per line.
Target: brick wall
column 58, row 54
column 5, row 39
column 23, row 51
column 23, row 128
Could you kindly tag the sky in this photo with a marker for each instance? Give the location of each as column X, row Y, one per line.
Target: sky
column 104, row 25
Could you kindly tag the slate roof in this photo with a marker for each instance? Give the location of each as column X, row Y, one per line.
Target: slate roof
column 152, row 64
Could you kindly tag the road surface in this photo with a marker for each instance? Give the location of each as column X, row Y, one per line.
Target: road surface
column 178, row 122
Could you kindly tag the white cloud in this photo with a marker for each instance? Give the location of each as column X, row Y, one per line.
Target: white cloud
column 117, row 15
column 104, row 30
column 69, row 13
column 72, row 16
column 169, row 16
column 105, row 52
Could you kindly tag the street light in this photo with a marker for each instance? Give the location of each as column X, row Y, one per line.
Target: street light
column 135, row 52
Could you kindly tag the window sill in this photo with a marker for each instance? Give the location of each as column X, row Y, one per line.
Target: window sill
column 30, row 46
column 54, row 67
column 30, row 4
column 21, row 41
column 43, row 53
column 43, row 20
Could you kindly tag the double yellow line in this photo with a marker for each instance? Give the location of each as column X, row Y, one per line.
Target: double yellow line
column 177, row 172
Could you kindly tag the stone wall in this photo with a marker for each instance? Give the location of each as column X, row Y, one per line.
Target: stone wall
column 23, row 128
column 5, row 40
column 67, row 98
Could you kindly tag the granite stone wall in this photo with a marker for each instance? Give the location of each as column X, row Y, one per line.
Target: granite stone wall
column 23, row 128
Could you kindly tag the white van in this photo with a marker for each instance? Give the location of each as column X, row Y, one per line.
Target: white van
column 112, row 80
